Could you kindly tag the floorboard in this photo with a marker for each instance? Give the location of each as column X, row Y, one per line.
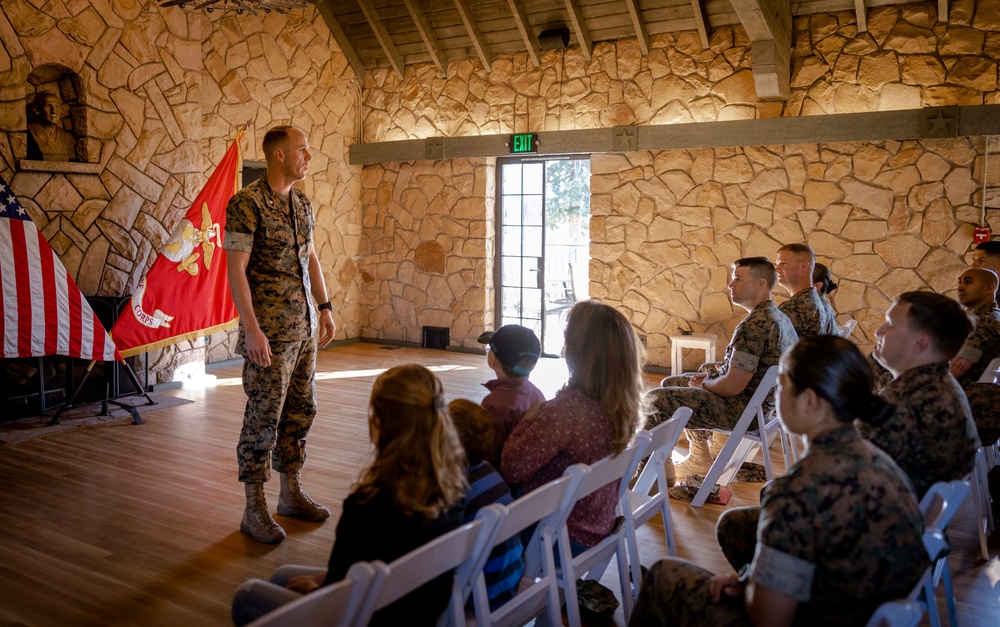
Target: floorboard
column 122, row 524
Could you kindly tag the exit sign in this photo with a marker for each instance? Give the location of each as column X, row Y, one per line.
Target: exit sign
column 523, row 143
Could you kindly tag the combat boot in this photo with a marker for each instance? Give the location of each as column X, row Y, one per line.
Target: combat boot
column 700, row 459
column 718, row 440
column 294, row 502
column 257, row 521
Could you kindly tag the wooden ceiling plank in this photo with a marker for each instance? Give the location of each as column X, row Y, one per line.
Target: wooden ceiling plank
column 943, row 11
column 580, row 28
column 641, row 32
column 478, row 42
column 383, row 36
column 427, row 34
column 701, row 20
column 341, row 38
column 768, row 24
column 862, row 11
column 524, row 26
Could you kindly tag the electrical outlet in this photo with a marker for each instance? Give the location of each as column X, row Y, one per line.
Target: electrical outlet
column 642, row 340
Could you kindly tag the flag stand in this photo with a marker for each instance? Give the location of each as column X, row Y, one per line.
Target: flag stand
column 109, row 400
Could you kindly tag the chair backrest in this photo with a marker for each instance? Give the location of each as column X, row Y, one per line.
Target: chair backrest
column 662, row 440
column 334, row 605
column 992, row 372
column 553, row 521
column 848, row 328
column 761, row 395
column 618, row 468
column 938, row 507
column 897, row 614
column 445, row 553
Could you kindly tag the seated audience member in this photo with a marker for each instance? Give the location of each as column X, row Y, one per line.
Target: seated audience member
column 410, row 494
column 835, row 537
column 513, row 352
column 794, row 267
column 977, row 290
column 987, row 255
column 823, row 282
column 595, row 415
column 718, row 401
column 475, row 429
column 930, row 433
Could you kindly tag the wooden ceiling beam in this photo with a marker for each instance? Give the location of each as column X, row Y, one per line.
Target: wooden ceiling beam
column 383, row 36
column 341, row 38
column 861, row 10
column 478, row 41
column 580, row 28
column 427, row 34
column 769, row 26
column 943, row 11
column 701, row 21
column 640, row 25
column 524, row 26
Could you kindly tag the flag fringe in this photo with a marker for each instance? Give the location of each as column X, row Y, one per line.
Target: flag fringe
column 170, row 341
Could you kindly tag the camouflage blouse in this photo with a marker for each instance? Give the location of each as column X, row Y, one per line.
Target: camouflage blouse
column 808, row 314
column 278, row 238
column 983, row 346
column 840, row 533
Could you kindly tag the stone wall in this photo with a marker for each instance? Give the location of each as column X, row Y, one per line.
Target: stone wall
column 166, row 89
column 888, row 216
column 428, row 249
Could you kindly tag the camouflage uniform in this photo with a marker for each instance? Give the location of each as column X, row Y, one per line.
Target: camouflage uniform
column 757, row 344
column 984, row 402
column 983, row 346
column 830, row 312
column 281, row 399
column 808, row 315
column 840, row 533
column 930, row 433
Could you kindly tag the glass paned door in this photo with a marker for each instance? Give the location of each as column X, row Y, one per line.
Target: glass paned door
column 544, row 246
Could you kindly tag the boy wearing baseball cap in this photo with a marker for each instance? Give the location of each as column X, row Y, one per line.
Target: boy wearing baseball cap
column 513, row 352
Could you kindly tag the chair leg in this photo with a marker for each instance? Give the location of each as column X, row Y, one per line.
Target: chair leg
column 949, row 594
column 930, row 600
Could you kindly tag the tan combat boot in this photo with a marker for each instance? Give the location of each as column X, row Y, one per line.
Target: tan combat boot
column 292, row 501
column 700, row 459
column 257, row 522
column 718, row 441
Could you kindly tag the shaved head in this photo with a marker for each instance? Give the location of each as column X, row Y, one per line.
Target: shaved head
column 977, row 287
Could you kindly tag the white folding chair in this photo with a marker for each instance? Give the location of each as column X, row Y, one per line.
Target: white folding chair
column 992, row 372
column 334, row 605
column 848, row 328
column 641, row 503
column 592, row 563
column 938, row 507
column 904, row 613
column 981, row 501
column 991, row 450
column 445, row 553
column 546, row 507
column 743, row 443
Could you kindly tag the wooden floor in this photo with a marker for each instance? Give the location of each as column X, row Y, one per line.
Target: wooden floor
column 121, row 524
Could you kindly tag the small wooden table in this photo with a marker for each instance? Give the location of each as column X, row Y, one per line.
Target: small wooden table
column 704, row 341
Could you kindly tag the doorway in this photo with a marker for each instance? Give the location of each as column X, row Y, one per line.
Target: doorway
column 543, row 246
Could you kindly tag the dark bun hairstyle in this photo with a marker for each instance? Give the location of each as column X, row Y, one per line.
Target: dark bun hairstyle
column 837, row 372
column 821, row 274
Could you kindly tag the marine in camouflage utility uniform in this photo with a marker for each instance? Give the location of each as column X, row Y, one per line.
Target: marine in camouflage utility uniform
column 808, row 314
column 930, row 433
column 757, row 344
column 840, row 534
column 830, row 312
column 281, row 399
column 981, row 348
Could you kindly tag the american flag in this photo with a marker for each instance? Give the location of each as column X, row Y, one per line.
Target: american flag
column 42, row 311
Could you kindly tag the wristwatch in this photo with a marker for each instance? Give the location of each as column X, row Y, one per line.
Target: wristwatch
column 327, row 305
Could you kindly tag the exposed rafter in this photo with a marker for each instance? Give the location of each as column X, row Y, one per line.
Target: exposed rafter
column 701, row 21
column 943, row 11
column 427, row 34
column 382, row 35
column 769, row 26
column 580, row 27
column 341, row 37
column 524, row 26
column 861, row 10
column 478, row 41
column 640, row 25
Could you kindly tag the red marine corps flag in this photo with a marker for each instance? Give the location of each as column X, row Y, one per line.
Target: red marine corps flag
column 42, row 311
column 185, row 294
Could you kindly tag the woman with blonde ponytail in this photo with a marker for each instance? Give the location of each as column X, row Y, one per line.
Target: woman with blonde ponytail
column 411, row 493
column 594, row 416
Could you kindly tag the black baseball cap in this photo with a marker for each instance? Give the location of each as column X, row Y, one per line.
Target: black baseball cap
column 515, row 346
